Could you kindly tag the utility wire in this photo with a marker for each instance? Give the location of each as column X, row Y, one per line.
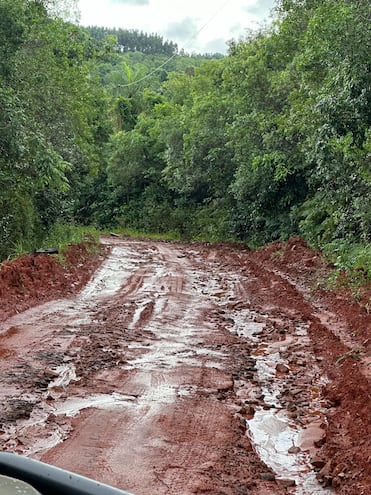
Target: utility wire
column 176, row 54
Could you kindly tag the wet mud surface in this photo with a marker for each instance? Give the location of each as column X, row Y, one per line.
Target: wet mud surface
column 189, row 369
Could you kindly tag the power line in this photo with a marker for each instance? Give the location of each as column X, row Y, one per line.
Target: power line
column 149, row 74
column 175, row 54
column 208, row 22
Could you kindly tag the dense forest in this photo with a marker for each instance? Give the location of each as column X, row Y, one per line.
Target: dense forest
column 133, row 40
column 116, row 129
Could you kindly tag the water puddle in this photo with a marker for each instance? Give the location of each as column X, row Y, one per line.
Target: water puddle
column 29, row 436
column 274, row 435
column 277, row 438
column 281, row 442
column 139, row 312
column 46, row 427
column 169, row 353
column 66, row 373
column 114, row 271
column 244, row 324
column 74, row 405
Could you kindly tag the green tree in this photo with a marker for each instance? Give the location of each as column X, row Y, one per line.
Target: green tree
column 50, row 120
column 331, row 110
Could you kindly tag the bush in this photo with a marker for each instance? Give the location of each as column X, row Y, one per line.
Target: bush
column 352, row 262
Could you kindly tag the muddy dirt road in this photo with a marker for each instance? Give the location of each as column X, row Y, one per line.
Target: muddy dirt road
column 183, row 369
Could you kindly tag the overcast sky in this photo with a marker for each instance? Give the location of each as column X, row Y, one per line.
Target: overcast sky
column 195, row 25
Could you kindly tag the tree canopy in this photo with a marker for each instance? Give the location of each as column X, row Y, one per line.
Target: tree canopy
column 114, row 127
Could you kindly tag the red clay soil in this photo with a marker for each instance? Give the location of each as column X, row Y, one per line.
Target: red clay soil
column 198, row 442
column 340, row 330
column 33, row 279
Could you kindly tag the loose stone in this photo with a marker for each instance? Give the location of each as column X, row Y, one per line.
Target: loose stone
column 282, row 368
column 268, row 476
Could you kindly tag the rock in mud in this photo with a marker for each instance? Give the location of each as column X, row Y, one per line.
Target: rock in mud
column 338, row 480
column 317, row 462
column 294, row 450
column 321, row 441
column 340, row 469
column 286, row 482
column 247, row 411
column 282, row 368
column 267, row 476
column 325, row 475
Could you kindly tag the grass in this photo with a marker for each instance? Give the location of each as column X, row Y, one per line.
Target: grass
column 62, row 235
column 356, row 354
column 352, row 264
column 137, row 234
column 59, row 237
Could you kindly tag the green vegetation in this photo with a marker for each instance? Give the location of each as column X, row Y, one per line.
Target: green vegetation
column 114, row 128
column 139, row 234
column 132, row 41
column 51, row 118
column 352, row 263
column 61, row 235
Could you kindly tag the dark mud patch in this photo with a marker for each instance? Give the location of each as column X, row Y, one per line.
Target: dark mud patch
column 14, row 409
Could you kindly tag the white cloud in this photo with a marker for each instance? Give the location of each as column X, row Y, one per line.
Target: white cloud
column 182, row 30
column 218, row 45
column 194, row 25
column 132, row 2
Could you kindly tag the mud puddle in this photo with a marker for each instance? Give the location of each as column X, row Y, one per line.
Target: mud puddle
column 283, row 435
column 68, row 325
column 50, row 333
column 279, row 440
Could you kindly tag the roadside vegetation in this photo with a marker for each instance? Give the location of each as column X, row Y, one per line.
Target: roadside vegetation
column 270, row 141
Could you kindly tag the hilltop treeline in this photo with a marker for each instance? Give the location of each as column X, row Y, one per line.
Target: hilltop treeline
column 269, row 141
column 132, row 40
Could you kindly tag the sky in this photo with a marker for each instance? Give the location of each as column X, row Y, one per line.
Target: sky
column 201, row 26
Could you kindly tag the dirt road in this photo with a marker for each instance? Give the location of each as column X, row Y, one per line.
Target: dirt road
column 194, row 368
